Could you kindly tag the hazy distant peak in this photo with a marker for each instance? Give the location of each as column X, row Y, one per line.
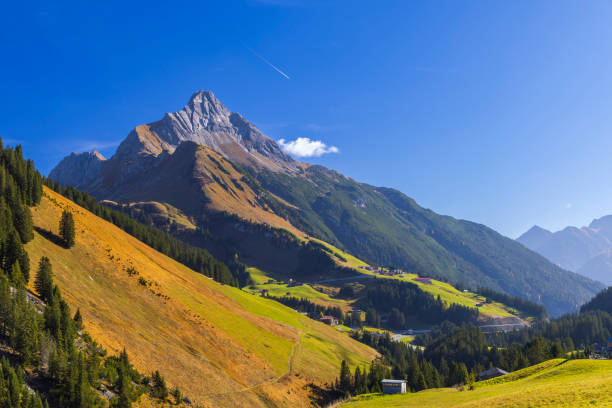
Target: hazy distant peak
column 535, row 237
column 539, row 230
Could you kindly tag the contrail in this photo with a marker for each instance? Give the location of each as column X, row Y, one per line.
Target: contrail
column 267, row 62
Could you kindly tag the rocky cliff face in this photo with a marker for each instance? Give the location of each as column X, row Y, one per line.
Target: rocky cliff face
column 79, row 170
column 204, row 120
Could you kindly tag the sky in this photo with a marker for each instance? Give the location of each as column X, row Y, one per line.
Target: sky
column 493, row 111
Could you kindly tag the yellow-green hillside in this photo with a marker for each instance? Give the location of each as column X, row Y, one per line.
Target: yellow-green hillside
column 221, row 345
column 554, row 383
column 276, row 289
column 449, row 294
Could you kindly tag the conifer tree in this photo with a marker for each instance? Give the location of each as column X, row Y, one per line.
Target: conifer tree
column 78, row 319
column 345, row 383
column 23, row 223
column 160, row 390
column 44, row 279
column 15, row 275
column 176, row 394
column 67, row 229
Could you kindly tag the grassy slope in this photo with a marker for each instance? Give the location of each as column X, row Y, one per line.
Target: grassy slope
column 385, row 227
column 449, row 294
column 303, row 291
column 555, row 383
column 222, row 346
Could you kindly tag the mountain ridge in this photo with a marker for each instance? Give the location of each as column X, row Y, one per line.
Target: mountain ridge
column 380, row 225
column 586, row 250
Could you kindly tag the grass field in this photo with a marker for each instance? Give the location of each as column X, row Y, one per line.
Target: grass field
column 302, row 291
column 221, row 345
column 449, row 294
column 351, row 261
column 554, row 383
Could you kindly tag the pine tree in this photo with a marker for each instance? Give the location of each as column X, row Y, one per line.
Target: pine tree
column 345, row 382
column 357, row 382
column 176, row 394
column 160, row 390
column 67, row 229
column 44, row 279
column 23, row 224
column 421, row 384
column 15, row 275
column 78, row 319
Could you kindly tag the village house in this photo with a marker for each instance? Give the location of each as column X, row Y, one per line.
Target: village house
column 491, row 373
column 329, row 320
column 393, row 386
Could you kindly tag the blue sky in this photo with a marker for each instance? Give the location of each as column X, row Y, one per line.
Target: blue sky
column 497, row 112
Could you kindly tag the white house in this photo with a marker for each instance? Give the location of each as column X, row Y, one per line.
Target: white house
column 393, row 386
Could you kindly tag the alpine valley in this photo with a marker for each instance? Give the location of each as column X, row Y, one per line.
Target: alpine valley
column 201, row 266
column 211, row 178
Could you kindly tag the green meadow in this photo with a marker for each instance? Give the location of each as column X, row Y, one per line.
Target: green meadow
column 554, row 383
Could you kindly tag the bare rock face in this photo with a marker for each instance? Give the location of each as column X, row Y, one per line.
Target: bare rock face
column 206, row 121
column 203, row 121
column 79, row 170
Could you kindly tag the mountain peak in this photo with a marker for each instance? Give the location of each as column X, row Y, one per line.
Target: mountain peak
column 535, row 237
column 206, row 121
column 536, row 229
column 206, row 101
column 98, row 155
column 201, row 95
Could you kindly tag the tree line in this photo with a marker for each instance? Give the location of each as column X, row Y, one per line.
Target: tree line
column 593, row 324
column 402, row 301
column 43, row 342
column 454, row 357
column 20, row 187
column 516, row 302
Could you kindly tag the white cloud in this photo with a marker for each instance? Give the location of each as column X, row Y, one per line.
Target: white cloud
column 304, row 147
column 568, row 206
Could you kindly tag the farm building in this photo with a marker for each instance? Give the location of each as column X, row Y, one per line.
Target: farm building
column 491, row 373
column 393, row 386
column 330, row 320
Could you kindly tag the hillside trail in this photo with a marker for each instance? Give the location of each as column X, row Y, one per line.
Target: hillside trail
column 271, row 380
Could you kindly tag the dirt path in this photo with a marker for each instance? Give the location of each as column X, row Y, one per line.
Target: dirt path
column 271, row 380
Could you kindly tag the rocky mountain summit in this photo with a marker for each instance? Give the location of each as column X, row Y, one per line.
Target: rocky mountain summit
column 204, row 120
column 79, row 170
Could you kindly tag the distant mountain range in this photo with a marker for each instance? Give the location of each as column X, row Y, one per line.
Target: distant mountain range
column 586, row 250
column 216, row 170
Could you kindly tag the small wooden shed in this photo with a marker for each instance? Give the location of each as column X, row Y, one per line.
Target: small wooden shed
column 393, row 386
